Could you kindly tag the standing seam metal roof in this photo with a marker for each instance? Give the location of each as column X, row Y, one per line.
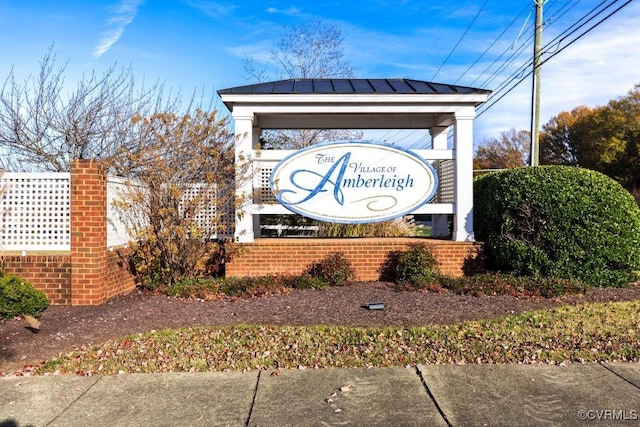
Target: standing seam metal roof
column 351, row 86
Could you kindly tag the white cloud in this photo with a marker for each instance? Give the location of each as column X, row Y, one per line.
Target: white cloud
column 291, row 11
column 212, row 9
column 260, row 51
column 123, row 15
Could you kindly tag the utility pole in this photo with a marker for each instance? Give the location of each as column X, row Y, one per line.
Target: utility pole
column 535, row 97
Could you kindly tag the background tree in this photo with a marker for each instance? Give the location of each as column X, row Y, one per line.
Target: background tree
column 311, row 50
column 605, row 139
column 45, row 123
column 511, row 150
column 561, row 138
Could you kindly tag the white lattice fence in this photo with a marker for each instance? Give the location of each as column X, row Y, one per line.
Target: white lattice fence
column 446, row 187
column 119, row 222
column 118, row 225
column 205, row 211
column 37, row 212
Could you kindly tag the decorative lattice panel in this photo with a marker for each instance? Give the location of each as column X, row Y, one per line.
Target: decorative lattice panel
column 262, row 188
column 446, row 185
column 206, row 211
column 36, row 211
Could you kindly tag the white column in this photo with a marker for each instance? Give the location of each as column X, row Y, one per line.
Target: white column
column 244, row 232
column 439, row 137
column 440, row 225
column 463, row 186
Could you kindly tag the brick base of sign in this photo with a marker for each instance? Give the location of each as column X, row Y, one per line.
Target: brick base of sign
column 367, row 255
column 51, row 273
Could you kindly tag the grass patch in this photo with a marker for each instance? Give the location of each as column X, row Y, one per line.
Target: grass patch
column 583, row 333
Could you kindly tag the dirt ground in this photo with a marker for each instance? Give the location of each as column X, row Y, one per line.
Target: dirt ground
column 65, row 328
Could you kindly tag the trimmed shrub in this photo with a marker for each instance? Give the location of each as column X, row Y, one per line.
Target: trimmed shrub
column 415, row 268
column 306, row 281
column 558, row 221
column 335, row 270
column 517, row 286
column 18, row 298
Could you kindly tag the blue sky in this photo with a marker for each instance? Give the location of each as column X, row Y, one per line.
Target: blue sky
column 200, row 44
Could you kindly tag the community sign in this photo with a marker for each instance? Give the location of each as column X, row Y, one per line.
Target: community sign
column 353, row 182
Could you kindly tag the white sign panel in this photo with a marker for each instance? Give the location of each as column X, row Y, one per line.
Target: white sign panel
column 353, row 182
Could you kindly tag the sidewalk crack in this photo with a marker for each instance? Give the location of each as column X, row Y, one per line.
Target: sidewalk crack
column 618, row 375
column 253, row 401
column 98, row 378
column 433, row 398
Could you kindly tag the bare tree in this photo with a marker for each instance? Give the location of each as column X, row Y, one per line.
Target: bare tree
column 311, row 50
column 45, row 123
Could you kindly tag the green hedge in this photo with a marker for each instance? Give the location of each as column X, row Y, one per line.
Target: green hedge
column 558, row 221
column 18, row 297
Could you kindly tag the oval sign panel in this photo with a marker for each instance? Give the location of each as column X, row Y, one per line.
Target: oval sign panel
column 353, row 182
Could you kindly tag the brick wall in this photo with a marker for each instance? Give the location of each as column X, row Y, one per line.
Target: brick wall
column 118, row 278
column 292, row 256
column 88, row 232
column 49, row 273
column 90, row 273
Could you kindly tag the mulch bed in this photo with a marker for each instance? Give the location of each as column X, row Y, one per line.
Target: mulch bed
column 65, row 328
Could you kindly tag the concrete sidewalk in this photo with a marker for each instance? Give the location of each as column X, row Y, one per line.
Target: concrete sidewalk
column 471, row 395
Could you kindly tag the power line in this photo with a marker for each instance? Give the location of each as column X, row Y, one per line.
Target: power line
column 521, row 78
column 510, row 60
column 586, row 31
column 491, row 45
column 459, row 41
column 496, row 73
column 518, row 73
column 525, row 44
column 561, row 37
column 518, row 52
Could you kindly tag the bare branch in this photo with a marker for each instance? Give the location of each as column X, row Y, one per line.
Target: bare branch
column 44, row 125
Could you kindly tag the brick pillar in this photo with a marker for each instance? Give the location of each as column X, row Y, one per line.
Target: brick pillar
column 88, row 232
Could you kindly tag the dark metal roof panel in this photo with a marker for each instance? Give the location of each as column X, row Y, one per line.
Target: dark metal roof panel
column 351, row 86
column 303, row 86
column 401, row 86
column 362, row 86
column 341, row 86
column 381, row 86
column 283, row 86
column 323, row 86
